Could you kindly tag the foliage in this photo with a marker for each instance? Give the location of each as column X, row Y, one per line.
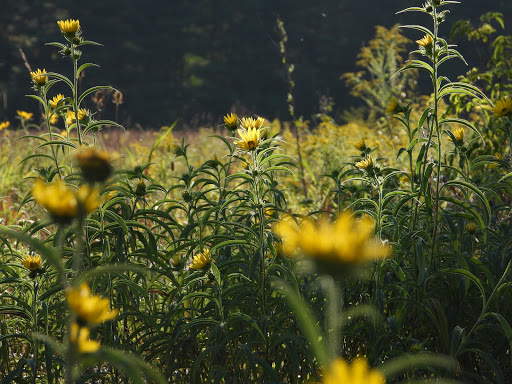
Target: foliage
column 199, row 261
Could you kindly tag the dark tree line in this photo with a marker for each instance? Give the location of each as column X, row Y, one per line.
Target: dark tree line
column 196, row 60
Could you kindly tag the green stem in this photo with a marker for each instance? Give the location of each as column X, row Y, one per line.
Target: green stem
column 36, row 341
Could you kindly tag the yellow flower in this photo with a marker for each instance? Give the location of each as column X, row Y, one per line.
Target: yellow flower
column 32, row 263
column 64, row 133
column 70, row 117
column 339, row 371
column 25, row 115
column 94, row 164
column 56, row 198
column 459, row 135
column 497, row 156
column 201, row 260
column 231, row 121
column 346, row 241
column 88, row 198
column 82, row 114
column 53, row 118
column 4, row 125
column 55, row 100
column 39, row 77
column 366, row 163
column 394, row 106
column 360, row 145
column 69, row 26
column 80, row 335
column 61, row 201
column 503, row 107
column 89, row 308
column 249, row 139
column 425, row 42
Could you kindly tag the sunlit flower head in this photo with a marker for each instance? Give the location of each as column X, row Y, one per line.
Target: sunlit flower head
column 80, row 336
column 55, row 101
column 360, row 145
column 459, row 136
column 249, row 122
column 231, row 121
column 358, row 372
column 25, row 115
column 32, row 263
column 503, row 107
column 94, row 164
column 365, row 164
column 345, row 241
column 425, row 42
column 201, row 260
column 39, row 77
column 89, row 308
column 4, row 124
column 82, row 114
column 69, row 26
column 249, row 139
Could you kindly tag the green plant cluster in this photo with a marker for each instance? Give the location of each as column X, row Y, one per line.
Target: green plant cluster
column 177, row 269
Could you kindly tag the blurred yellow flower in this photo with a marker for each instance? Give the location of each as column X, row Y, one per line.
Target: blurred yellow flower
column 459, row 135
column 39, row 77
column 53, row 118
column 25, row 115
column 503, row 107
column 249, row 139
column 69, row 26
column 358, row 372
column 55, row 100
column 56, row 198
column 201, row 260
column 80, row 335
column 89, row 308
column 497, row 156
column 366, row 163
column 4, row 124
column 425, row 42
column 231, row 121
column 347, row 240
column 360, row 145
column 88, row 198
column 62, row 202
column 394, row 106
column 32, row 263
column 70, row 117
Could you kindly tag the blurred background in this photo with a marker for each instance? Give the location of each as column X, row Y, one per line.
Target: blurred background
column 194, row 61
